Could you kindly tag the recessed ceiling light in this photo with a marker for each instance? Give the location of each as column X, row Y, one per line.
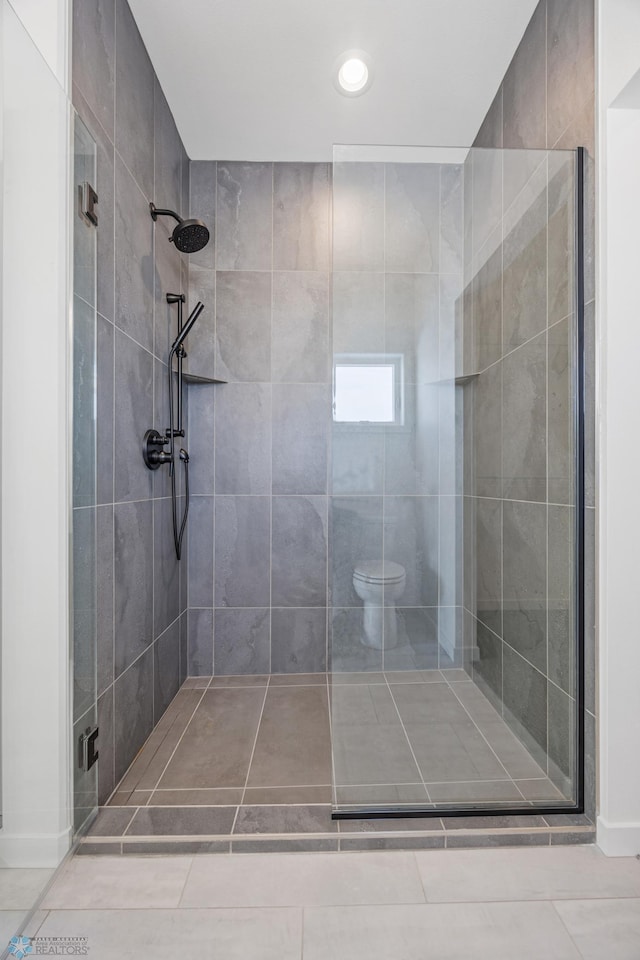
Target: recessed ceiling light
column 352, row 73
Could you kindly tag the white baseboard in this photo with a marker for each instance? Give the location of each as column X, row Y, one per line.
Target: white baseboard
column 45, row 850
column 618, row 839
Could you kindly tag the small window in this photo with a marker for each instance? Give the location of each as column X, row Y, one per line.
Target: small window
column 367, row 388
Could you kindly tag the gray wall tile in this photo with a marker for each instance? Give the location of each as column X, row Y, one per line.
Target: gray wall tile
column 134, row 100
column 300, row 432
column 104, row 410
column 201, row 438
column 358, row 216
column 104, row 599
column 301, row 209
column 201, row 355
column 244, row 216
column 242, row 641
column 168, row 155
column 524, row 88
column 412, row 306
column 243, row 325
column 300, row 328
column 570, row 62
column 451, row 202
column 525, row 696
column 166, row 570
column 358, row 312
column 200, row 569
column 524, row 276
column 106, row 760
column 525, row 580
column 488, row 563
column 243, row 438
column 487, row 311
column 355, row 536
column 299, row 640
column 524, row 426
column 93, row 63
column 202, row 205
column 133, row 416
column 133, row 711
column 242, row 551
column 167, row 279
column 412, row 217
column 200, row 642
column 133, row 584
column 166, row 669
column 133, row 259
column 299, row 552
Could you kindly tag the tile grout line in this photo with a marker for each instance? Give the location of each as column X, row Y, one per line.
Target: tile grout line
column 404, row 730
column 253, row 750
column 195, row 710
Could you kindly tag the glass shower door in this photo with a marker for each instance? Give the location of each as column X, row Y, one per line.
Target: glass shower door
column 83, row 583
column 454, row 508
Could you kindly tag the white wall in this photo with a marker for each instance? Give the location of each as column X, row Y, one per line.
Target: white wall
column 619, row 405
column 35, row 318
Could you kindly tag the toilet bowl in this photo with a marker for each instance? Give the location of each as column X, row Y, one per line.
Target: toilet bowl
column 379, row 585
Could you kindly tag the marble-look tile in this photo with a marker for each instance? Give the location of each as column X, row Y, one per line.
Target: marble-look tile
column 216, row 747
column 201, row 286
column 358, row 317
column 525, row 580
column 355, row 536
column 358, row 461
column 300, row 327
column 202, row 205
column 412, row 305
column 244, row 216
column 241, row 641
column 451, row 227
column 418, row 646
column 412, row 217
column 115, row 882
column 590, row 371
column 590, row 648
column 570, row 62
column 111, row 822
column 487, row 433
column 235, row 934
column 167, row 279
column 133, row 259
column 299, row 552
column 243, row 438
column 486, row 204
column 524, row 422
column 559, row 414
column 561, row 638
column 134, row 100
column 133, row 711
column 487, row 668
column 243, row 325
column 346, row 651
column 285, row 819
column 488, row 563
column 133, row 571
column 93, row 61
column 168, row 155
column 524, row 88
column 104, row 410
column 411, row 540
column 200, row 563
column 487, row 311
column 166, row 669
column 84, row 390
column 525, row 697
column 298, row 640
column 166, row 570
column 561, row 233
column 607, row 927
column 104, row 597
column 201, row 439
column 106, row 760
column 301, row 212
column 200, row 642
column 561, row 745
column 524, row 276
column 133, row 416
column 242, row 551
column 181, row 821
column 358, row 216
column 300, row 424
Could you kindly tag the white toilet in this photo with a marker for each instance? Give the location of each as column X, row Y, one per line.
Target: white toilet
column 379, row 585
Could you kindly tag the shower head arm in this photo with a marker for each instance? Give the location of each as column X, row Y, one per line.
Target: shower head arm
column 157, row 212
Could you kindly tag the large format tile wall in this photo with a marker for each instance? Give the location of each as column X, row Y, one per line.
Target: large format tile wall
column 141, row 587
column 518, row 488
column 283, row 505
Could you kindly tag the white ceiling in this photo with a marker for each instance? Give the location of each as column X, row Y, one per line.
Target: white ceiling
column 252, row 79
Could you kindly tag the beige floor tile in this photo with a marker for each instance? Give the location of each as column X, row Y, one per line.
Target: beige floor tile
column 497, row 931
column 603, row 928
column 20, row 888
column 119, row 883
column 293, row 745
column 261, row 880
column 167, row 934
column 544, row 873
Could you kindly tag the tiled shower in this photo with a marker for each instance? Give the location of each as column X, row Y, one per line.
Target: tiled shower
column 284, row 500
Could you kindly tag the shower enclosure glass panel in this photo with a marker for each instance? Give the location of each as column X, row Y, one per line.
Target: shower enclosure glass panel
column 454, row 507
column 84, row 590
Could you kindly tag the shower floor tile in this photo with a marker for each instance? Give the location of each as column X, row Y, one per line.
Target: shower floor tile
column 245, row 763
